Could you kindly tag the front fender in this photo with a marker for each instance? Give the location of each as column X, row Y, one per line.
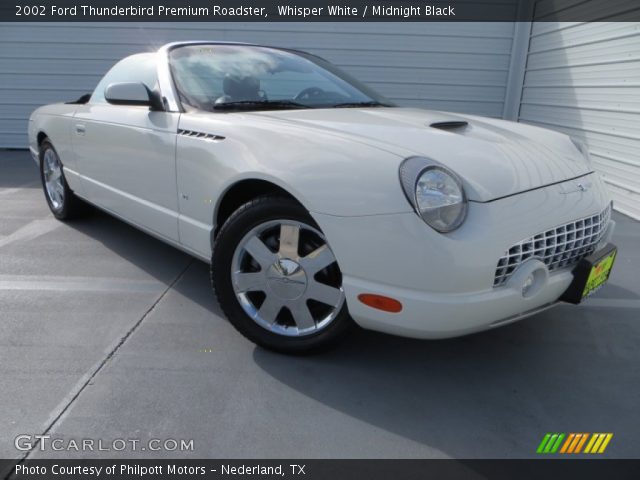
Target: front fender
column 328, row 173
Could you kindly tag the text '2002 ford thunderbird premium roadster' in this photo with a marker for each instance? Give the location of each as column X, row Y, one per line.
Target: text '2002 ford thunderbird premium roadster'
column 319, row 203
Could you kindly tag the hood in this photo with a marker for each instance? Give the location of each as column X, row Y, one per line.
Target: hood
column 494, row 158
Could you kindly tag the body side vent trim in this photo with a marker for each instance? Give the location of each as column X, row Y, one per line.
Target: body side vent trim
column 202, row 135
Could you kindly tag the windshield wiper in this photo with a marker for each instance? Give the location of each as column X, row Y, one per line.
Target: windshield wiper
column 372, row 103
column 258, row 104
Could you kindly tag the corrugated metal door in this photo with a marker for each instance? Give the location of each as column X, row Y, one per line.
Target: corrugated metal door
column 460, row 67
column 584, row 79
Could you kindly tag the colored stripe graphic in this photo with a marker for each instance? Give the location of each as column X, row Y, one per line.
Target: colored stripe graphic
column 581, row 442
column 591, row 442
column 550, row 443
column 599, row 440
column 543, row 443
column 605, row 443
column 598, row 443
column 565, row 447
column 556, row 445
column 554, row 442
column 574, row 444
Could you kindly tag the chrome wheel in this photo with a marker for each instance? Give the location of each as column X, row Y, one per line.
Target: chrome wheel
column 286, row 278
column 53, row 180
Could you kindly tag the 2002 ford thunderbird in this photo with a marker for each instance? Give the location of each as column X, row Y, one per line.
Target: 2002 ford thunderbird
column 319, row 203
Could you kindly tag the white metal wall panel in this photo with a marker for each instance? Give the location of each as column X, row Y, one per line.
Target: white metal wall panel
column 459, row 67
column 584, row 79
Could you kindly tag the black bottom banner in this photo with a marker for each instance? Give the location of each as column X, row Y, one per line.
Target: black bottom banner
column 321, row 469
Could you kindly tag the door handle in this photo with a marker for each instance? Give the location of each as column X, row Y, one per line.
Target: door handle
column 80, row 130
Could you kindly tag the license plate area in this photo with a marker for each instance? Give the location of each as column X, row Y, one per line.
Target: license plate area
column 590, row 274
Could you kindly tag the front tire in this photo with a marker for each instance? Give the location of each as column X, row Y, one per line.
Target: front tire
column 63, row 203
column 276, row 278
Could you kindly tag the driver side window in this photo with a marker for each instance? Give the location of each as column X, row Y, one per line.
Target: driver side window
column 136, row 68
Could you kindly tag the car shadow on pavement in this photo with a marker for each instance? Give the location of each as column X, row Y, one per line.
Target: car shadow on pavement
column 616, row 291
column 475, row 396
column 148, row 254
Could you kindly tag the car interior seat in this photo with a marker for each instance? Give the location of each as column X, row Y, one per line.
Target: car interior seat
column 237, row 89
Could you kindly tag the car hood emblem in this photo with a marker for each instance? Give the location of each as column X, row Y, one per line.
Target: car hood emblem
column 578, row 187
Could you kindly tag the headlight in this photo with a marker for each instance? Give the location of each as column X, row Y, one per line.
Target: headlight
column 435, row 192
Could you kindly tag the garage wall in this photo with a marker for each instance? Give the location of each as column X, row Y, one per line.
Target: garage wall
column 459, row 67
column 584, row 79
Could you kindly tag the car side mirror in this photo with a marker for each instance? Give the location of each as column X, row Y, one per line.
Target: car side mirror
column 131, row 93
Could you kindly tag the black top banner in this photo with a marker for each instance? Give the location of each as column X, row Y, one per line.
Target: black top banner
column 318, row 10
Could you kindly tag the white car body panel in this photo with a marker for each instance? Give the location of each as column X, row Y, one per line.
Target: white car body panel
column 298, row 159
column 342, row 165
column 495, row 158
column 109, row 140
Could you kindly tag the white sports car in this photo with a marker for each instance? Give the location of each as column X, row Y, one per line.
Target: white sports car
column 319, row 203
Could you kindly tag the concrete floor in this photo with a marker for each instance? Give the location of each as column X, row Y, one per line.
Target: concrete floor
column 106, row 333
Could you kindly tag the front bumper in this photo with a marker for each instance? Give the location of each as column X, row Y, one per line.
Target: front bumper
column 445, row 282
column 428, row 315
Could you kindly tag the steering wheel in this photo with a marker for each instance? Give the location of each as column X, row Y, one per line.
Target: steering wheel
column 309, row 93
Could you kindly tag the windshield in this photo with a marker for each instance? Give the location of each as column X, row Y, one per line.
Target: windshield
column 237, row 77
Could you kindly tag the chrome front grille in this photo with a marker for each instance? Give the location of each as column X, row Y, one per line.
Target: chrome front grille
column 559, row 247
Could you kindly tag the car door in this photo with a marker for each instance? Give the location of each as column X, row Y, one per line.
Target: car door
column 126, row 154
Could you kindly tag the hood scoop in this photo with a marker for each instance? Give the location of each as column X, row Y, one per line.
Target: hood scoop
column 449, row 125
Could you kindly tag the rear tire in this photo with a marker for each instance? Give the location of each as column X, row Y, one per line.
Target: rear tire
column 277, row 280
column 63, row 203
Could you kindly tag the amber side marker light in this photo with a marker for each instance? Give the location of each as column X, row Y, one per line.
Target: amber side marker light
column 379, row 302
